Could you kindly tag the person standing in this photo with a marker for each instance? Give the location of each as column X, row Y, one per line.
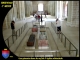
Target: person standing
column 41, row 17
column 45, row 14
column 13, row 27
column 58, row 23
column 38, row 18
column 35, row 16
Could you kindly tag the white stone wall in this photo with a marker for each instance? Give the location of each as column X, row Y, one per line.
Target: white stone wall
column 15, row 13
column 35, row 5
column 48, row 7
column 28, row 8
column 51, row 7
column 5, row 26
column 73, row 14
column 56, row 9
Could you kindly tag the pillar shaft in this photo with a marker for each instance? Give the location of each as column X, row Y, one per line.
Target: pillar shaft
column 5, row 26
column 73, row 14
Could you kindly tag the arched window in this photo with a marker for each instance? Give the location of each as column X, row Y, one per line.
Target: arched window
column 40, row 7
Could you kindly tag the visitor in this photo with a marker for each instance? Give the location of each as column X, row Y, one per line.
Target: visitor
column 45, row 14
column 35, row 16
column 13, row 27
column 41, row 17
column 38, row 17
column 58, row 23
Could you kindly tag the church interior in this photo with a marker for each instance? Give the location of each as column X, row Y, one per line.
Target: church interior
column 40, row 39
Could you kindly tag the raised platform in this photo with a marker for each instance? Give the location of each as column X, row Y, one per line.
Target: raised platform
column 31, row 40
column 42, row 43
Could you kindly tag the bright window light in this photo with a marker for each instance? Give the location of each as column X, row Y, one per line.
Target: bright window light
column 40, row 7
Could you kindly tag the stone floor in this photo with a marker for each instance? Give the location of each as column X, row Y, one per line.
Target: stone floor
column 72, row 33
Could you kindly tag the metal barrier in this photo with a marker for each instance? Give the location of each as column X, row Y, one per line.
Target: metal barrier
column 64, row 40
column 54, row 27
column 54, row 53
column 11, row 39
column 54, row 41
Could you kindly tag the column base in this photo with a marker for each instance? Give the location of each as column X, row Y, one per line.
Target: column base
column 5, row 28
column 68, row 23
column 72, row 25
column 77, row 25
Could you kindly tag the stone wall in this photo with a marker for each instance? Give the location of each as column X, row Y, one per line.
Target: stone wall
column 73, row 14
column 51, row 8
column 35, row 5
column 17, row 12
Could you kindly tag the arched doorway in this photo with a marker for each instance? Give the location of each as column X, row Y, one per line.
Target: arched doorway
column 40, row 8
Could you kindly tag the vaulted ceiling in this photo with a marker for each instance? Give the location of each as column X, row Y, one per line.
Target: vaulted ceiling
column 37, row 2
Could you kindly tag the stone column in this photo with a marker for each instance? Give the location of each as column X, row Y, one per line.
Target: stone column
column 73, row 14
column 51, row 8
column 69, row 12
column 55, row 8
column 28, row 11
column 9, row 18
column 18, row 10
column 27, row 8
column 58, row 9
column 5, row 26
column 61, row 9
column 48, row 7
column 63, row 15
column 14, row 10
column 30, row 8
column 77, row 14
column 22, row 10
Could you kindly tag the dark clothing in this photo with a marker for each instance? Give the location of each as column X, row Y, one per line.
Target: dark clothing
column 33, row 15
column 12, row 26
column 59, row 28
column 41, row 18
column 38, row 17
column 45, row 15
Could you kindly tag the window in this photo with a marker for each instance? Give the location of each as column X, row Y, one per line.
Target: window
column 40, row 7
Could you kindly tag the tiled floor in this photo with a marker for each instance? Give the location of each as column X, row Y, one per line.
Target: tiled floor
column 72, row 33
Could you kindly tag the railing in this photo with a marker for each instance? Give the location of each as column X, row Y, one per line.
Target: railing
column 54, row 41
column 53, row 53
column 11, row 39
column 66, row 41
column 38, row 23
